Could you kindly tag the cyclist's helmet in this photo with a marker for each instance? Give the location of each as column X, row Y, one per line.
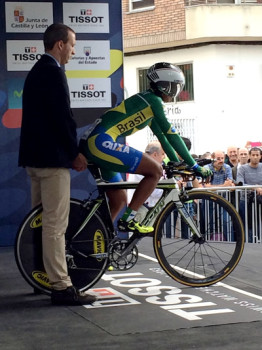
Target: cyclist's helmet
column 166, row 78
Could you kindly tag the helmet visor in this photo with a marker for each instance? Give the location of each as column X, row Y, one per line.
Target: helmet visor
column 172, row 89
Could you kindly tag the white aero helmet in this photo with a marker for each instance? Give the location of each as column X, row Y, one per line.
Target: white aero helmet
column 166, row 78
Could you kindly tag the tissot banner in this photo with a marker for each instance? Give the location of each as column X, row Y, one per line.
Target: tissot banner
column 95, row 79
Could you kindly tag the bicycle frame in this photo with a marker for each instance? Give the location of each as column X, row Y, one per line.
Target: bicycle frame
column 171, row 192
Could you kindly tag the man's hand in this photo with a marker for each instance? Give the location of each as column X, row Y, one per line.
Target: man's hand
column 80, row 162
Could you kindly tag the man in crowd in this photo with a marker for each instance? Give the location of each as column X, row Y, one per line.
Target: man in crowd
column 242, row 159
column 222, row 177
column 231, row 158
column 222, row 173
column 250, row 174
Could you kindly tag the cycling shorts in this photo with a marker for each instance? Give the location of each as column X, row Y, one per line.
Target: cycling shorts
column 113, row 157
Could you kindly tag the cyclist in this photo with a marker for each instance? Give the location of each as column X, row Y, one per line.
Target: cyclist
column 104, row 146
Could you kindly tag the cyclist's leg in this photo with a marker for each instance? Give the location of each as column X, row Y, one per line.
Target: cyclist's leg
column 152, row 172
column 118, row 157
column 117, row 201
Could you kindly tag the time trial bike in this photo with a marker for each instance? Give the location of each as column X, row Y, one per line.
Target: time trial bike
column 198, row 236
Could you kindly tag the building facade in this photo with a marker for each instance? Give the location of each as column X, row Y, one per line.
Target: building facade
column 217, row 43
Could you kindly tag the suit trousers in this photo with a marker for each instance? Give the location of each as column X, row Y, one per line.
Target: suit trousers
column 51, row 187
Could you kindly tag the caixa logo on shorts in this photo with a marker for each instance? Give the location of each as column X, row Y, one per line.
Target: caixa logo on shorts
column 115, row 146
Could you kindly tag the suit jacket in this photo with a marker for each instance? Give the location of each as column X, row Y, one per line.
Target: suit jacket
column 48, row 131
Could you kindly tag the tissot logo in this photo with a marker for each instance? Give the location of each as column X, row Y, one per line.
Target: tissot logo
column 86, row 12
column 30, row 49
column 88, row 87
column 30, row 54
column 88, row 93
column 86, row 17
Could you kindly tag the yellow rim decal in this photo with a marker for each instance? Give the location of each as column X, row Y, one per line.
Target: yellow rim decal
column 42, row 278
column 37, row 221
column 99, row 243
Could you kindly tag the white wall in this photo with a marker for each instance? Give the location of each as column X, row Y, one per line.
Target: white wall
column 228, row 109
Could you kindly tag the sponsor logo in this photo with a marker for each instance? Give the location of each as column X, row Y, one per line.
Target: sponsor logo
column 99, row 245
column 87, row 51
column 37, row 221
column 169, row 298
column 88, row 92
column 86, row 16
column 108, row 297
column 86, row 12
column 96, row 92
column 42, row 278
column 19, row 15
column 23, row 17
column 88, row 87
column 95, row 53
column 139, row 119
column 115, row 146
column 30, row 54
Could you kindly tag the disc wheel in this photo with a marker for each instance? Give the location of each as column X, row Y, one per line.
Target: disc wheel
column 86, row 252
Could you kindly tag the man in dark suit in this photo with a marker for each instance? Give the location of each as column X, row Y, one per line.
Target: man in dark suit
column 48, row 149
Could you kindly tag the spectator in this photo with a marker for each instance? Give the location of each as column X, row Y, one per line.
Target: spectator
column 242, row 159
column 231, row 157
column 48, row 148
column 206, row 155
column 250, row 174
column 222, row 173
column 222, row 177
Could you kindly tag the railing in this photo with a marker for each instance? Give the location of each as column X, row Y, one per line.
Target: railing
column 244, row 198
column 215, row 221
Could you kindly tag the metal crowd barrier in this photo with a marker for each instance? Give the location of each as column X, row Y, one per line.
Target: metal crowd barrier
column 215, row 222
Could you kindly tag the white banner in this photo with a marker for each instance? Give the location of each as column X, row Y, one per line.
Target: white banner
column 23, row 54
column 90, row 93
column 90, row 55
column 33, row 17
column 86, row 17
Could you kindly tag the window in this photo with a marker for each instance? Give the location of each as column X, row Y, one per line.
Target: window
column 188, row 92
column 141, row 4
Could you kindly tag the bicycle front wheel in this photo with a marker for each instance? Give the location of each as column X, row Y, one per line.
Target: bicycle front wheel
column 199, row 261
column 86, row 252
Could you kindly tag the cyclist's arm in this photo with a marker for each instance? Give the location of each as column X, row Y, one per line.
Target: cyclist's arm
column 174, row 141
column 171, row 154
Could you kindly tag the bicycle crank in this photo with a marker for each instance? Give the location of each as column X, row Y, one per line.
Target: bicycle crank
column 121, row 257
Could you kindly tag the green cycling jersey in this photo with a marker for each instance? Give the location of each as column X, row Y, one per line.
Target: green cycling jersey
column 137, row 112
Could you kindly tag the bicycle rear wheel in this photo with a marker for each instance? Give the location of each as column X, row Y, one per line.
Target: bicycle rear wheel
column 195, row 261
column 86, row 252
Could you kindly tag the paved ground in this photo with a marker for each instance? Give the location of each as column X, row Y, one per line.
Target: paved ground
column 139, row 309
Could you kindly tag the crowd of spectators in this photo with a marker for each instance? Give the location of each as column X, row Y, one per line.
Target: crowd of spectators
column 241, row 166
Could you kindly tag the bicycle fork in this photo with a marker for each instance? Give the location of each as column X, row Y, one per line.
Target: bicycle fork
column 196, row 234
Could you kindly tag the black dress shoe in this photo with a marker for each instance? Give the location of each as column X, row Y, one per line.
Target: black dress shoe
column 71, row 296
